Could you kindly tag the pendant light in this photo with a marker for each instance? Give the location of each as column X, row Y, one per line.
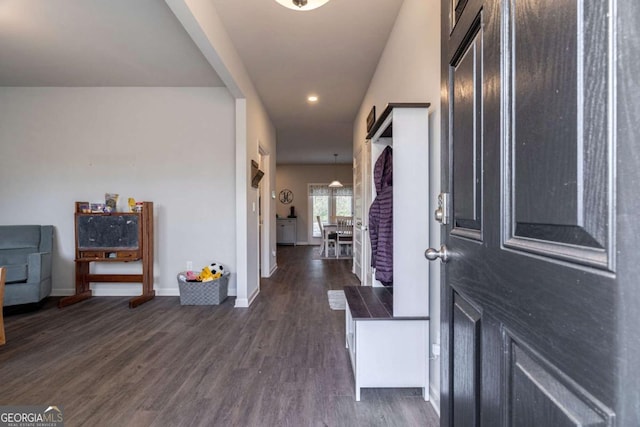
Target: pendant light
column 302, row 5
column 335, row 183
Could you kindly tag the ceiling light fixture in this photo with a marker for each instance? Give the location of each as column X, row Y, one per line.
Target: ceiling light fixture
column 312, row 98
column 335, row 183
column 302, row 5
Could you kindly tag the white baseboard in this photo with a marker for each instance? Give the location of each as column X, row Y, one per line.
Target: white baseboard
column 273, row 270
column 168, row 292
column 120, row 292
column 106, row 290
column 241, row 303
column 253, row 296
column 246, row 302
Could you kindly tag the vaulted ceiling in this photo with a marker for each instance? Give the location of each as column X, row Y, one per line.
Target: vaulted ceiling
column 331, row 52
column 97, row 43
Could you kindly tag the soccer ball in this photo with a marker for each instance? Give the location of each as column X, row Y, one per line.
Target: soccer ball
column 216, row 268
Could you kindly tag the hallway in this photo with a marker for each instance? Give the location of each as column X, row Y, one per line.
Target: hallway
column 280, row 363
column 299, row 288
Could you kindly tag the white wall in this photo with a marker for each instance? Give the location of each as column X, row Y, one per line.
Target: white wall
column 296, row 178
column 171, row 146
column 253, row 127
column 261, row 132
column 409, row 71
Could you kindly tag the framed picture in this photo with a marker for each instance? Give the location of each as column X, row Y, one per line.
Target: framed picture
column 286, row 196
column 97, row 207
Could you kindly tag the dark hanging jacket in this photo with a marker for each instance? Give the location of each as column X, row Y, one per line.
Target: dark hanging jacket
column 381, row 219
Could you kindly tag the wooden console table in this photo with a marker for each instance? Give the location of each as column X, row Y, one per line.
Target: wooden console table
column 385, row 350
column 114, row 237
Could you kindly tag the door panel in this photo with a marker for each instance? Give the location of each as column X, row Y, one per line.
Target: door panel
column 541, row 282
column 458, row 8
column 540, row 396
column 466, row 89
column 466, row 363
column 559, row 180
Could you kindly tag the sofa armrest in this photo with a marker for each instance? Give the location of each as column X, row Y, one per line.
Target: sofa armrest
column 39, row 266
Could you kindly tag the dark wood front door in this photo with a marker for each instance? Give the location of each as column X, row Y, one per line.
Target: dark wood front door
column 541, row 292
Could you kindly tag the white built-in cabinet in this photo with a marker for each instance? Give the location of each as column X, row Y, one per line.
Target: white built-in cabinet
column 387, row 334
column 286, row 231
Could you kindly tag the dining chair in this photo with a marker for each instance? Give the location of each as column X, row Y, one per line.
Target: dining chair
column 2, row 277
column 344, row 235
column 327, row 238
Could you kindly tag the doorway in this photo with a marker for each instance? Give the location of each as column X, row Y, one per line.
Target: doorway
column 265, row 220
column 361, row 202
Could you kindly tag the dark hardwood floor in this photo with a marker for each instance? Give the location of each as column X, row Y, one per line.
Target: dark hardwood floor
column 281, row 362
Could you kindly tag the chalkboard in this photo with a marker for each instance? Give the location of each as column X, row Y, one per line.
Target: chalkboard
column 108, row 231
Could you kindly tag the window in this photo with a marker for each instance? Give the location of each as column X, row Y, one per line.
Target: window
column 328, row 203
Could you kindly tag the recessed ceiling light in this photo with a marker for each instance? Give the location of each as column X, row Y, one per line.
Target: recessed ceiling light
column 312, row 98
column 302, row 5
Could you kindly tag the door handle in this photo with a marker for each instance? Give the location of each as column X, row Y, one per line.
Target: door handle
column 432, row 254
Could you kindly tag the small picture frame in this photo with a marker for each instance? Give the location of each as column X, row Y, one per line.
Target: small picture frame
column 97, row 207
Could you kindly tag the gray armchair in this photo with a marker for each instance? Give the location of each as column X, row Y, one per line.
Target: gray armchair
column 25, row 252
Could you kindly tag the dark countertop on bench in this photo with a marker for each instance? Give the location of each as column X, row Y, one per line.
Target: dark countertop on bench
column 373, row 303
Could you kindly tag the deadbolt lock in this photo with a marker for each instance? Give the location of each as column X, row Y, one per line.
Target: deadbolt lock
column 441, row 214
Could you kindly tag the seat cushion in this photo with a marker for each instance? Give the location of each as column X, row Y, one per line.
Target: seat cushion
column 16, row 273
